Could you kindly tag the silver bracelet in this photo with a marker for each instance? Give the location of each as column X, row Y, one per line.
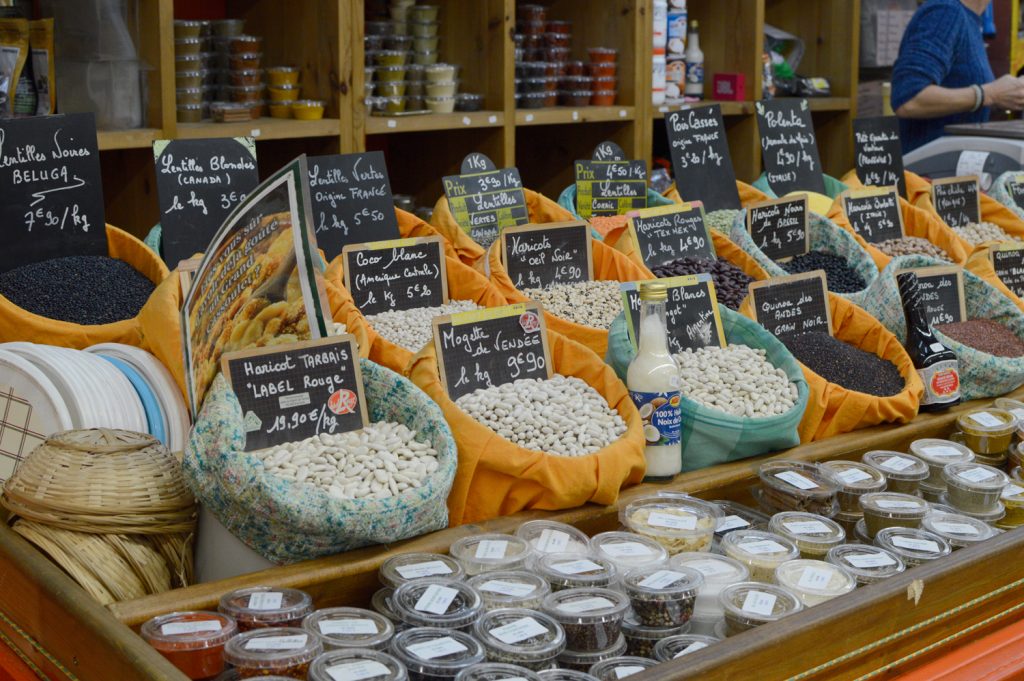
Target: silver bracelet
column 979, row 97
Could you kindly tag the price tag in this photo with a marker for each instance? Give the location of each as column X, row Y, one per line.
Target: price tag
column 691, row 312
column 586, row 605
column 892, row 504
column 179, row 628
column 347, row 627
column 792, row 305
column 626, row 550
column 941, row 291
column 897, row 463
column 357, row 671
column 1008, row 262
column 957, row 528
column 552, row 541
column 507, row 588
column 759, row 603
column 576, row 567
column 869, row 560
column 265, row 600
column 730, row 522
column 610, row 187
column 484, row 200
column 943, row 452
column 277, row 642
column 701, row 162
column 427, row 569
column 667, row 233
column 956, row 200
column 436, row 599
column 797, row 480
column 763, row 546
column 976, row 474
column 814, row 578
column 396, row 275
column 925, row 545
column 692, row 648
column 852, row 476
column 779, row 227
column 661, row 579
column 874, row 214
column 519, row 630
column 438, row 647
column 985, row 419
column 807, row 527
column 672, row 521
column 540, row 256
column 878, row 153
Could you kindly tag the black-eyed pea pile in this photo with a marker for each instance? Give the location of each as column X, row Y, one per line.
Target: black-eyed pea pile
column 412, row 329
column 588, row 303
column 736, row 379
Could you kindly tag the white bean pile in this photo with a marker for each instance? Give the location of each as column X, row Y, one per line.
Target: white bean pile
column 412, row 329
column 380, row 461
column 588, row 303
column 979, row 232
column 736, row 379
column 562, row 415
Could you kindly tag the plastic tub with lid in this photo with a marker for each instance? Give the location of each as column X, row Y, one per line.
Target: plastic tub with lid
column 549, row 536
column 813, row 534
column 641, row 638
column 913, row 546
column 381, row 603
column 738, row 517
column 974, row 487
column 404, row 567
column 848, row 521
column 815, row 581
column 264, row 606
column 760, row 552
column 437, row 602
column 903, row 472
column 519, row 636
column 798, row 486
column 679, row 646
column 582, row 661
column 627, row 550
column 662, row 596
column 560, row 674
column 1013, row 500
column 191, row 641
column 572, row 570
column 287, row 651
column 340, row 628
column 497, row 671
column 591, row 617
column 957, row 529
column 992, row 517
column 434, row 653
column 718, row 572
column 361, row 664
column 937, row 454
column 621, row 667
column 891, row 509
column 987, row 431
column 511, row 589
column 679, row 523
column 487, row 552
column 855, row 478
column 751, row 604
column 867, row 563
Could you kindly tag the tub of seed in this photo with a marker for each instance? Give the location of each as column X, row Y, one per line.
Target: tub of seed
column 405, row 567
column 846, row 365
column 738, row 517
column 936, row 454
column 339, row 628
column 583, row 661
column 595, row 304
column 974, row 487
column 679, row 646
column 813, row 534
column 662, row 597
column 549, row 536
column 760, row 552
column 848, row 521
column 527, row 638
column 437, row 602
column 987, row 431
column 284, row 651
column 497, row 671
column 620, row 667
column 903, row 472
column 891, row 509
column 914, row 546
column 381, row 603
column 572, row 570
column 959, row 530
column 798, row 486
column 814, row 581
column 751, row 604
column 357, row 665
column 488, row 552
column 1013, row 501
column 730, row 281
column 412, row 329
column 854, row 478
column 641, row 638
column 991, row 517
column 431, row 653
column 868, row 564
column 718, row 572
column 559, row 674
column 258, row 607
column 860, row 532
column 627, row 550
column 510, row 589
column 590, row 616
column 678, row 523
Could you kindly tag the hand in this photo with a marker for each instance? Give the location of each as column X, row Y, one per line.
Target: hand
column 1005, row 93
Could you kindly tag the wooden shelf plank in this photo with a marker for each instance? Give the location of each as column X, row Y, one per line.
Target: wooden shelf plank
column 135, row 138
column 262, row 129
column 383, row 125
column 829, row 103
column 567, row 114
column 728, row 108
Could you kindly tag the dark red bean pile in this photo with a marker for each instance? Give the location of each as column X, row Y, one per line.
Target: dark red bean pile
column 83, row 289
column 730, row 281
column 840, row 276
column 846, row 365
column 985, row 335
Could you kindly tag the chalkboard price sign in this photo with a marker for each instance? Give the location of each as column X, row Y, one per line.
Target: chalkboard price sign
column 396, row 275
column 874, row 213
column 789, row 306
column 352, row 200
column 878, row 154
column 788, row 146
column 1016, row 189
column 779, row 227
column 1008, row 262
column 700, row 157
column 691, row 312
column 942, row 293
column 610, row 187
column 485, row 348
column 486, row 201
column 668, row 233
column 539, row 256
column 199, row 182
column 297, row 391
column 51, row 194
column 956, row 200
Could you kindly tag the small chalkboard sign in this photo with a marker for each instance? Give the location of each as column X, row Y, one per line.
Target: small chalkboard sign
column 199, row 182
column 51, row 193
column 779, row 227
column 789, row 306
column 396, row 275
column 490, row 347
column 352, row 201
column 1015, row 187
column 942, row 293
column 788, row 146
column 668, row 233
column 878, row 154
column 608, row 151
column 691, row 312
column 610, row 187
column 1008, row 262
column 485, row 200
column 956, row 200
column 539, row 256
column 874, row 214
column 292, row 392
column 700, row 157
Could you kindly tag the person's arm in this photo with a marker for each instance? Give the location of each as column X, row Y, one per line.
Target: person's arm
column 934, row 101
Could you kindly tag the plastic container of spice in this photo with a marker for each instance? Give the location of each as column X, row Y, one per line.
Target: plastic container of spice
column 349, row 628
column 548, row 536
column 621, row 667
column 641, row 638
column 511, row 589
column 264, row 606
column 248, row 60
column 591, row 617
column 718, row 572
column 190, row 113
column 987, row 431
column 430, row 653
column 381, row 603
column 662, row 597
column 572, row 570
column 437, row 602
column 404, row 567
column 813, row 534
column 991, row 517
column 487, row 552
column 522, row 637
column 1013, row 501
column 760, row 552
column 936, row 454
column 603, row 97
column 559, row 674
column 287, row 651
column 737, row 517
column 283, row 75
column 891, row 509
column 678, row 646
column 751, row 604
column 854, row 478
column 679, row 523
column 815, row 581
column 974, row 487
column 798, row 486
column 913, row 546
column 357, row 665
column 959, row 530
column 582, row 661
column 497, row 671
column 903, row 472
column 627, row 550
column 191, row 641
column 868, row 564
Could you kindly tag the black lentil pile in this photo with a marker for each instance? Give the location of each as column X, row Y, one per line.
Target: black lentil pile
column 985, row 335
column 841, row 278
column 730, row 281
column 846, row 365
column 83, row 289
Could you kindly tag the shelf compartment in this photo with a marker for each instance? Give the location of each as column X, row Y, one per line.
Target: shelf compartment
column 728, row 108
column 133, row 138
column 460, row 120
column 262, row 129
column 560, row 115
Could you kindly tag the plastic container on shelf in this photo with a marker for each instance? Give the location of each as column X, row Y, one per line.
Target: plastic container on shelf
column 246, row 60
column 1013, row 501
column 591, row 617
column 188, row 95
column 437, row 602
column 190, row 113
column 259, row 607
column 760, row 552
column 349, row 628
column 245, row 44
column 684, row 644
column 404, row 567
column 424, row 29
column 487, row 552
column 903, row 472
column 426, row 57
column 432, row 653
column 867, row 563
column 987, row 431
column 936, row 454
column 391, row 57
column 469, row 101
column 189, row 79
column 246, row 77
column 390, row 88
column 751, row 604
column 381, row 603
column 931, row 494
column 602, row 54
column 582, row 661
column 620, row 667
column 573, row 570
column 440, row 104
column 286, row 651
column 308, row 109
column 738, row 517
column 860, row 532
column 813, row 534
column 891, row 509
column 188, row 45
column 959, row 530
column 425, row 44
column 662, row 596
column 283, row 75
column 974, row 487
column 641, row 638
column 992, row 517
column 815, row 581
column 510, row 589
column 854, row 478
column 357, row 665
column 718, row 572
column 549, row 536
column 441, row 88
column 627, row 550
column 440, row 72
column 798, row 486
column 603, row 97
column 191, row 641
column 184, row 28
column 848, row 521
column 914, row 546
column 497, row 671
column 679, row 523
column 519, row 636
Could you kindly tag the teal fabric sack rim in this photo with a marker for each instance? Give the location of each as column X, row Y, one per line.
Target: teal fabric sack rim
column 833, row 187
column 567, row 200
column 154, row 239
column 1001, row 194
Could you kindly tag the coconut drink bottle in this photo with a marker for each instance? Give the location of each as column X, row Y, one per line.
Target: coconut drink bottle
column 653, row 382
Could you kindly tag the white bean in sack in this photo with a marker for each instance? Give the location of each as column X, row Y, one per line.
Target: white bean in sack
column 976, row 233
column 380, row 461
column 589, row 303
column 736, row 379
column 412, row 329
column 562, row 415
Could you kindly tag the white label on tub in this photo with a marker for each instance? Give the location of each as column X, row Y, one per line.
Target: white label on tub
column 626, row 549
column 916, row 544
column 852, row 475
column 869, row 560
column 277, row 642
column 730, row 522
column 977, row 474
column 943, row 452
column 552, row 541
column 661, row 579
column 586, row 605
column 895, row 504
column 417, row 570
column 759, row 603
column 507, row 588
column 178, row 628
column 957, row 528
column 520, row 630
column 814, row 578
column 797, row 480
column 692, row 648
column 763, row 546
column 1012, row 490
column 357, row 671
column 685, row 521
column 436, row 599
column 807, row 527
column 347, row 627
column 265, row 600
column 439, row 647
column 623, row 672
column 897, row 463
column 711, row 567
column 575, row 567
column 986, row 419
column 491, row 549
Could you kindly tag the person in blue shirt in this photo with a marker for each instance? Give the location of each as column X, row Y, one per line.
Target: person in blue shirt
column 942, row 74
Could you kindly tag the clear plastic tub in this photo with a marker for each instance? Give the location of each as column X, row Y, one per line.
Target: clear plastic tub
column 497, row 671
column 974, row 487
column 488, row 552
column 191, row 641
column 737, row 517
column 760, row 552
column 582, row 661
column 527, row 638
column 936, row 454
column 798, row 486
column 931, row 494
column 381, row 603
column 662, row 597
column 751, row 604
column 679, row 523
column 718, row 572
column 913, row 546
column 591, row 617
column 430, row 653
column 559, row 674
column 891, row 509
column 286, row 651
column 350, row 628
column 991, row 517
column 511, row 589
column 848, row 521
column 441, row 88
column 265, row 606
column 959, row 530
column 815, row 581
column 627, row 550
column 860, row 532
column 641, row 638
column 571, row 570
column 987, row 431
column 621, row 667
column 440, row 72
column 404, row 567
column 440, row 104
column 548, row 536
column 361, row 665
column 1013, row 500
column 903, row 472
column 868, row 564
column 855, row 478
column 679, row 646
column 437, row 602
column 813, row 534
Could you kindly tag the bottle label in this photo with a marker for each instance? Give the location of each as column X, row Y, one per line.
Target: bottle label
column 941, row 382
column 662, row 417
column 694, row 74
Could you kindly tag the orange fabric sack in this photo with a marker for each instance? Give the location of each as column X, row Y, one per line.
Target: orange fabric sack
column 410, row 226
column 748, row 194
column 832, row 409
column 980, row 264
column 541, row 210
column 497, row 478
column 609, row 265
